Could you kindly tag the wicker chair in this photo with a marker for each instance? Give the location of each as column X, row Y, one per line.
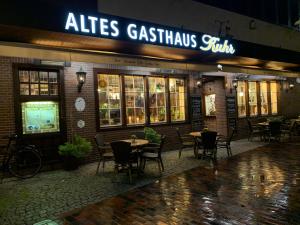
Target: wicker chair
column 104, row 150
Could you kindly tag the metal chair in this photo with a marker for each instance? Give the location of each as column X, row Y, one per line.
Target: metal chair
column 209, row 143
column 224, row 142
column 104, row 150
column 274, row 130
column 254, row 130
column 289, row 129
column 186, row 141
column 124, row 157
column 153, row 152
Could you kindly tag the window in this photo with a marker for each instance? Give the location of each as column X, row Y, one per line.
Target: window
column 109, row 100
column 135, row 100
column 264, row 98
column 157, row 99
column 268, row 95
column 38, row 100
column 273, row 92
column 177, row 99
column 252, row 98
column 130, row 100
column 241, row 98
column 38, row 83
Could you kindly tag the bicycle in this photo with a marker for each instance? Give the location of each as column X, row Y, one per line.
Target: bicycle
column 22, row 161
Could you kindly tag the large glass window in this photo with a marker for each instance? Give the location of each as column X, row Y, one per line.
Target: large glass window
column 177, row 99
column 264, row 98
column 274, row 97
column 252, row 98
column 241, row 98
column 157, row 99
column 135, row 100
column 109, row 99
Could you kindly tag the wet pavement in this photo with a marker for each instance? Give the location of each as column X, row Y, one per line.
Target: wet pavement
column 261, row 186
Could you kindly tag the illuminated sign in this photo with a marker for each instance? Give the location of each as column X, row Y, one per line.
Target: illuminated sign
column 106, row 27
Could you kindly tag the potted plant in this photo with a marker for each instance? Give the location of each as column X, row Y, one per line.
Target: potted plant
column 151, row 135
column 73, row 151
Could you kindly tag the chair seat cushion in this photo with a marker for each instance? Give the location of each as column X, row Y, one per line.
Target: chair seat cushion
column 150, row 155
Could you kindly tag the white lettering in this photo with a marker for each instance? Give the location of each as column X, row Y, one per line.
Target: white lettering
column 104, row 27
column 143, row 34
column 178, row 40
column 194, row 41
column 71, row 22
column 93, row 23
column 186, row 40
column 114, row 27
column 82, row 25
column 160, row 32
column 213, row 44
column 131, row 31
column 169, row 37
column 152, row 34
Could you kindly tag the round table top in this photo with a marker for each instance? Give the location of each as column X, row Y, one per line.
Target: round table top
column 137, row 142
column 196, row 134
column 263, row 124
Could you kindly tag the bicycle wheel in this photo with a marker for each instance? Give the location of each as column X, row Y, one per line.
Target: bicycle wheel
column 25, row 163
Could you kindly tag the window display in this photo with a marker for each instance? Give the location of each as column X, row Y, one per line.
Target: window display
column 109, row 99
column 210, row 105
column 264, row 98
column 135, row 99
column 40, row 117
column 241, row 98
column 38, row 83
column 177, row 99
column 252, row 90
column 157, row 99
column 273, row 92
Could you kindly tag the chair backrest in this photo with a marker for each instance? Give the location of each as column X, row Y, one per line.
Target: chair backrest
column 209, row 139
column 99, row 139
column 249, row 125
column 275, row 127
column 121, row 151
column 293, row 125
column 178, row 134
column 232, row 131
column 161, row 145
column 139, row 134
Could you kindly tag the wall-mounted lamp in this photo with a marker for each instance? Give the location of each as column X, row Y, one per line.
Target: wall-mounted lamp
column 81, row 77
column 220, row 67
column 235, row 83
column 199, row 83
column 291, row 86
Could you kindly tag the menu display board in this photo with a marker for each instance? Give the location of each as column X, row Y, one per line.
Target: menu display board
column 40, row 117
column 231, row 111
column 196, row 112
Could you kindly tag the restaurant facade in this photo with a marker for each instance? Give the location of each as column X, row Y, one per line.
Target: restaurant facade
column 86, row 72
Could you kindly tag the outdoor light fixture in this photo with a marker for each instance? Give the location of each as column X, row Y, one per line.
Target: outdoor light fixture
column 81, row 77
column 235, row 83
column 220, row 67
column 199, row 83
column 291, row 86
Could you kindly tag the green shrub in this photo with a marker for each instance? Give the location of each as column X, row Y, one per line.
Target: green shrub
column 78, row 148
column 151, row 135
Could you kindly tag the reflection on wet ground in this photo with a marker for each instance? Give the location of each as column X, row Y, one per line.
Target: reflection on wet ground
column 257, row 187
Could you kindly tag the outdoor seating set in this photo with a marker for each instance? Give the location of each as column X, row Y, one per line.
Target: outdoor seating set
column 273, row 129
column 209, row 141
column 130, row 154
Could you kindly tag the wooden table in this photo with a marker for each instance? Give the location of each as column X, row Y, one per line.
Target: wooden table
column 137, row 142
column 264, row 124
column 196, row 134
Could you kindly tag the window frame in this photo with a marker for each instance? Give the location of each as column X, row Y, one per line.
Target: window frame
column 144, row 74
column 19, row 99
column 258, row 93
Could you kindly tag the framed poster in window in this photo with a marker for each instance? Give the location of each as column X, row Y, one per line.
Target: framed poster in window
column 210, row 105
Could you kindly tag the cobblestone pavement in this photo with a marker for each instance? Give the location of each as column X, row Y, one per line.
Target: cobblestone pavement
column 46, row 196
column 256, row 187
